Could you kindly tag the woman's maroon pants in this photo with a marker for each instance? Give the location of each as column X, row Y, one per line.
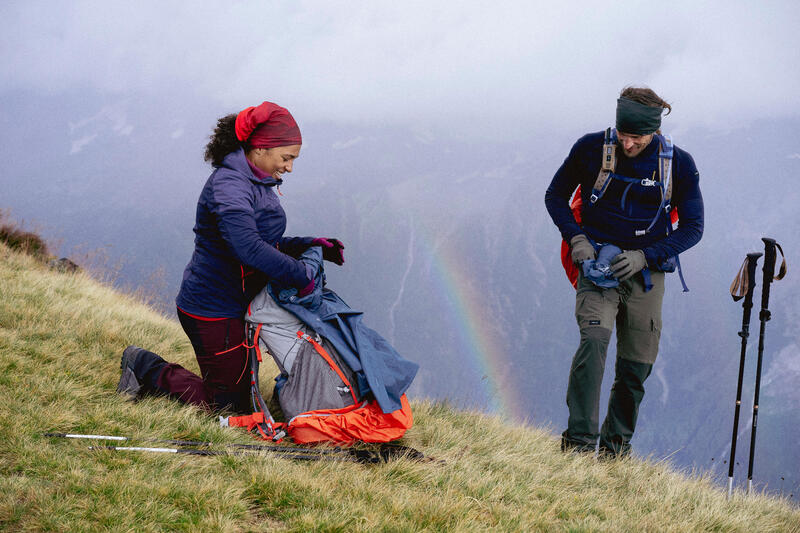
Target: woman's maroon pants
column 222, row 356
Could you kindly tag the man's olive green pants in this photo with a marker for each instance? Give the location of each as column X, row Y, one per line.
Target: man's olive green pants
column 637, row 315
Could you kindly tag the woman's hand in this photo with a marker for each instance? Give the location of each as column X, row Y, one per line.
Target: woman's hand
column 331, row 249
column 308, row 289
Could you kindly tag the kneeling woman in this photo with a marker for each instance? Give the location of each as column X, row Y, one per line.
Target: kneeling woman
column 239, row 247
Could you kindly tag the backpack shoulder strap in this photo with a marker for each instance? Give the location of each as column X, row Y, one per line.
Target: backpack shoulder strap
column 665, row 153
column 607, row 167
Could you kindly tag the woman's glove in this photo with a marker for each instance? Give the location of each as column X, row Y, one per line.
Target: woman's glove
column 582, row 249
column 628, row 263
column 308, row 289
column 331, row 249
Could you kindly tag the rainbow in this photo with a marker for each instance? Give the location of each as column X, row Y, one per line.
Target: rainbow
column 484, row 348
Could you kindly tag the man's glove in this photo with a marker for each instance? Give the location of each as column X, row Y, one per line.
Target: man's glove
column 331, row 249
column 582, row 249
column 628, row 263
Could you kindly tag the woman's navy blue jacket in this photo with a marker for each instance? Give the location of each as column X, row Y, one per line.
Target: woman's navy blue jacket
column 582, row 166
column 239, row 243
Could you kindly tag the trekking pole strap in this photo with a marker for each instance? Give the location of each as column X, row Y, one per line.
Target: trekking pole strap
column 745, row 278
column 770, row 243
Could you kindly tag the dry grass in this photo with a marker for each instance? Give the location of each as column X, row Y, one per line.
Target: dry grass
column 61, row 336
column 19, row 239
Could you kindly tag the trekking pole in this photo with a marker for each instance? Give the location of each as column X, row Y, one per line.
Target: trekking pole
column 743, row 284
column 764, row 316
column 384, row 453
column 183, row 443
column 194, row 451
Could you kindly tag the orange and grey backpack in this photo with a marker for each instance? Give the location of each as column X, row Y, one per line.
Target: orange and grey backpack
column 316, row 389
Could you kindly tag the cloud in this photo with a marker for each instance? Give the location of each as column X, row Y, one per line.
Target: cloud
column 79, row 144
column 476, row 68
column 112, row 118
column 349, row 143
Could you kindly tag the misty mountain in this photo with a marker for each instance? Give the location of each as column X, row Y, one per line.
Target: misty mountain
column 451, row 255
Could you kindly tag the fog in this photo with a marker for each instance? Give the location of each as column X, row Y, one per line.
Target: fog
column 483, row 67
column 430, row 133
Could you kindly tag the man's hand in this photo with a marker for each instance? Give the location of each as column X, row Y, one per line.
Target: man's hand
column 628, row 263
column 582, row 249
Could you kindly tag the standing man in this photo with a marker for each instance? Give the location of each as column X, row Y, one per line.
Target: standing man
column 631, row 178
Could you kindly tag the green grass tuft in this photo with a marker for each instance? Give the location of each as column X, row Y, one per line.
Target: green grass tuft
column 61, row 336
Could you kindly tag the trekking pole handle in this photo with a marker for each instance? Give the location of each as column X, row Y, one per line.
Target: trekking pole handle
column 752, row 263
column 769, row 274
column 769, row 259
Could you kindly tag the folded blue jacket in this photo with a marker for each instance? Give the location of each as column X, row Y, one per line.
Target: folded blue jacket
column 598, row 271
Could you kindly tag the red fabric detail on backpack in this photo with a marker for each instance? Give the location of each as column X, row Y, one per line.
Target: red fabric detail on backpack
column 364, row 422
column 570, row 268
column 256, row 421
column 255, row 343
column 246, row 421
column 576, row 204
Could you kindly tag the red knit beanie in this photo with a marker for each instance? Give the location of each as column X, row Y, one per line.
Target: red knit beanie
column 267, row 126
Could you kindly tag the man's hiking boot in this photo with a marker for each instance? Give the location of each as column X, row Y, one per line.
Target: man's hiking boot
column 604, row 453
column 571, row 446
column 607, row 455
column 129, row 386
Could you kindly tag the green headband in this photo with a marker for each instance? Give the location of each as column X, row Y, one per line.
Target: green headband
column 636, row 118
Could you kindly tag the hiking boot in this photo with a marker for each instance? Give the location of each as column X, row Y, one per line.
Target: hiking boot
column 129, row 385
column 571, row 446
column 604, row 453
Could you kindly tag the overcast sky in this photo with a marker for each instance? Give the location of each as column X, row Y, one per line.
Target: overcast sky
column 512, row 64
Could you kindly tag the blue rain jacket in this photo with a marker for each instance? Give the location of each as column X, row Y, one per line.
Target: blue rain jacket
column 380, row 369
column 239, row 243
column 598, row 271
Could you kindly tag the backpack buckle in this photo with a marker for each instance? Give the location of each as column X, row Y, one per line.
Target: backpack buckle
column 593, row 198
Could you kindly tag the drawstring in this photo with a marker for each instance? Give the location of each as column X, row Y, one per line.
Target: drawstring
column 243, row 371
column 232, row 349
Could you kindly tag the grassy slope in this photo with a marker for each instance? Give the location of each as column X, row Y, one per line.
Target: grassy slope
column 60, row 340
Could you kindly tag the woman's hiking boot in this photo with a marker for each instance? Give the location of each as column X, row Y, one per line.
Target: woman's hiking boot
column 140, row 370
column 129, row 386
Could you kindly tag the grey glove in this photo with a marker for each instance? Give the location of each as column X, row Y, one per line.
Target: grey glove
column 628, row 263
column 582, row 249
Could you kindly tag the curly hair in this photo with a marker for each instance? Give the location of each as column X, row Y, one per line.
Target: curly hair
column 223, row 141
column 645, row 96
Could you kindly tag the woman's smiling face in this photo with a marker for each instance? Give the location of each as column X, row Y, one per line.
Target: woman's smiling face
column 274, row 161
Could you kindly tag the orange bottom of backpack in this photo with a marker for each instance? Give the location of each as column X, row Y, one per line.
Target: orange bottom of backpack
column 364, row 422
